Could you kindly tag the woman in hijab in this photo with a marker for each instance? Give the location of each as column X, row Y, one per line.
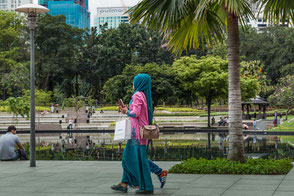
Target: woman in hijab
column 136, row 169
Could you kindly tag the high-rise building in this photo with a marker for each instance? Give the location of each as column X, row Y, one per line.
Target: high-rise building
column 12, row 4
column 76, row 12
column 111, row 13
column 110, row 16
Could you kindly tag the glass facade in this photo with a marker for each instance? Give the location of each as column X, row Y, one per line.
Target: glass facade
column 75, row 11
column 112, row 22
column 12, row 4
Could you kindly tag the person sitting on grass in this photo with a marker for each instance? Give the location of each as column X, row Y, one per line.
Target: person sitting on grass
column 7, row 146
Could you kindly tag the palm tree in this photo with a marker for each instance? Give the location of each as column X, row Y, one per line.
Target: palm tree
column 188, row 24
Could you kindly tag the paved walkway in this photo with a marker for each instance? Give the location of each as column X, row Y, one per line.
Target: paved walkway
column 93, row 178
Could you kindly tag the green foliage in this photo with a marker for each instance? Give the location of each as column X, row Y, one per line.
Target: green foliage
column 76, row 102
column 273, row 48
column 177, row 114
column 278, row 11
column 163, row 84
column 284, row 94
column 105, row 56
column 177, row 109
column 219, row 49
column 14, row 75
column 15, row 81
column 223, row 166
column 57, row 47
column 112, row 124
column 19, row 106
column 249, row 88
column 42, row 98
column 215, row 114
column 205, row 77
column 108, row 108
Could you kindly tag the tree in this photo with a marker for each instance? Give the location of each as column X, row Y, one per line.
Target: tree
column 284, row 94
column 184, row 23
column 13, row 52
column 163, row 84
column 19, row 106
column 207, row 78
column 15, row 81
column 106, row 55
column 57, row 47
column 274, row 48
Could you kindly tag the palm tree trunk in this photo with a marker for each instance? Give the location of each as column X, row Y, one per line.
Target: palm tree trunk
column 236, row 145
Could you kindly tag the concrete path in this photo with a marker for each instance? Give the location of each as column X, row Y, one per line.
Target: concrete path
column 92, row 178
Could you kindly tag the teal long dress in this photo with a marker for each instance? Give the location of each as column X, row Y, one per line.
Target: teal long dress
column 136, row 169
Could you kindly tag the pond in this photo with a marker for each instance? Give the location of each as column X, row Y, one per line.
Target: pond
column 166, row 153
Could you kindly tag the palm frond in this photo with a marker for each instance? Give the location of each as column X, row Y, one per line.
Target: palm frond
column 202, row 24
column 163, row 14
column 276, row 11
column 240, row 8
column 188, row 23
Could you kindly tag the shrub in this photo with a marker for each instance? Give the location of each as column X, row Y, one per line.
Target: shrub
column 112, row 124
column 214, row 114
column 108, row 108
column 176, row 114
column 223, row 166
column 177, row 109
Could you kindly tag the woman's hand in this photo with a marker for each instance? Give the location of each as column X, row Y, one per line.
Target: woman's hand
column 123, row 109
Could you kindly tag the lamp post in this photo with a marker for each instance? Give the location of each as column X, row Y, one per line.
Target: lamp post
column 32, row 10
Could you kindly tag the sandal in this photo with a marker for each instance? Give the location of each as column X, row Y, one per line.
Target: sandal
column 119, row 188
column 144, row 192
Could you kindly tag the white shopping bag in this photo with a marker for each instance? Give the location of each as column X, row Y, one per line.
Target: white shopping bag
column 122, row 130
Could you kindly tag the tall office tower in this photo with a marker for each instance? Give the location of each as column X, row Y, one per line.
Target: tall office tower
column 112, row 16
column 12, row 4
column 111, row 13
column 75, row 11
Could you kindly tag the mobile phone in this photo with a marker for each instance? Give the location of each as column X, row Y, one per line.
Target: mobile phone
column 120, row 102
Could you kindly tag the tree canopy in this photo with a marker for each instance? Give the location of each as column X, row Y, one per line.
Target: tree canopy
column 120, row 86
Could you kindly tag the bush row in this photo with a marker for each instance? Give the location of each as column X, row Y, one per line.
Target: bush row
column 223, row 166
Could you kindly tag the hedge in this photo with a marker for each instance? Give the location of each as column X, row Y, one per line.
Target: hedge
column 223, row 166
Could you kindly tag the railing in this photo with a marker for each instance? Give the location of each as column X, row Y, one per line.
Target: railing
column 164, row 131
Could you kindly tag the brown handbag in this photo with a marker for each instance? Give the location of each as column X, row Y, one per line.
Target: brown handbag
column 149, row 132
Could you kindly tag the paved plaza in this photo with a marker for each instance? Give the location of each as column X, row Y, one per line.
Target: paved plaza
column 93, row 178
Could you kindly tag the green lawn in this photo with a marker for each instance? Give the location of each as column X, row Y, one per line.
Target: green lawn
column 286, row 126
column 38, row 108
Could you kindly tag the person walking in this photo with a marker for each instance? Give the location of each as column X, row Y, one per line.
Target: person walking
column 254, row 136
column 212, row 121
column 70, row 124
column 136, row 168
column 52, row 108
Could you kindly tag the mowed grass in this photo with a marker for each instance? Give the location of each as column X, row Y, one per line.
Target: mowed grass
column 38, row 108
column 286, row 126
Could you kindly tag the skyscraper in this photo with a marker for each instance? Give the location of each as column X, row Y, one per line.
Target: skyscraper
column 112, row 16
column 12, row 4
column 75, row 11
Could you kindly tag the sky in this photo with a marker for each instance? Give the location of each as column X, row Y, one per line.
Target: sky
column 93, row 4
